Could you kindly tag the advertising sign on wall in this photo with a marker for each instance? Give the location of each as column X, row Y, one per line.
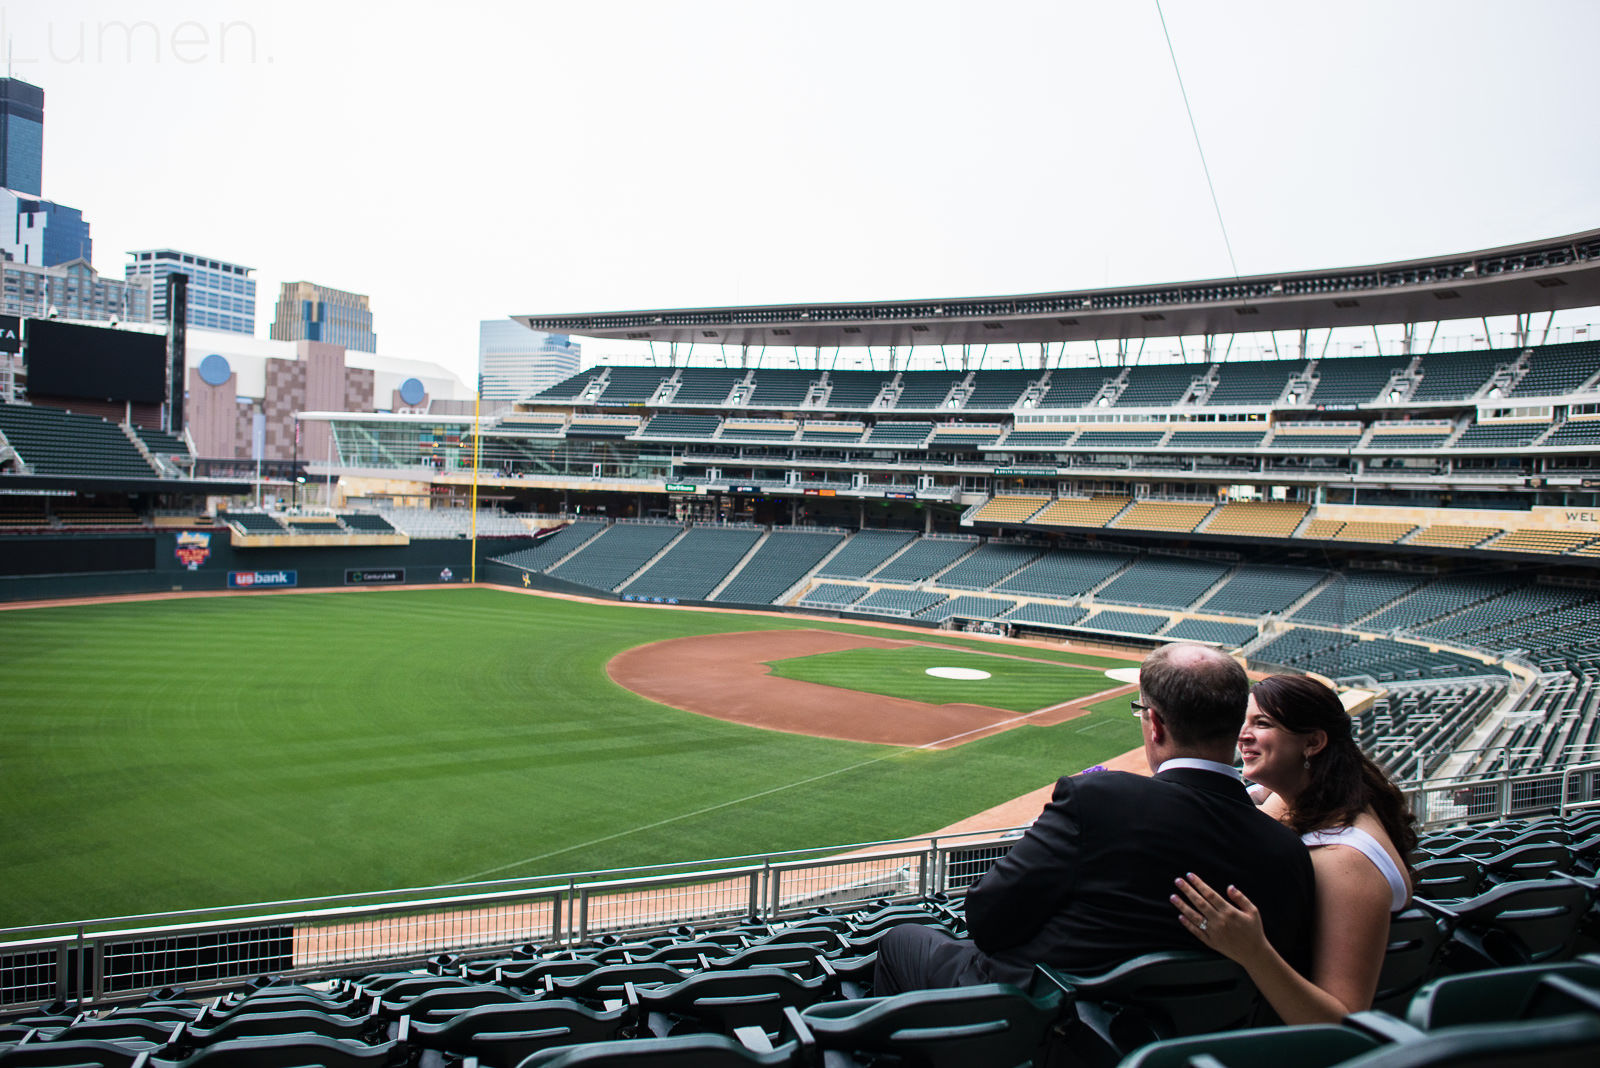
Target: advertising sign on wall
column 260, row 580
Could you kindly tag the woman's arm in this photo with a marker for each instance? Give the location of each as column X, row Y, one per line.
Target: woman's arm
column 1351, row 937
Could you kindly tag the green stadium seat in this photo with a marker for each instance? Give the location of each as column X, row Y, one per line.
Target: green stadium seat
column 502, row 1036
column 993, row 1024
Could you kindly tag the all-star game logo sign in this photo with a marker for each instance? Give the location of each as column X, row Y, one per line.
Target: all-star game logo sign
column 194, row 549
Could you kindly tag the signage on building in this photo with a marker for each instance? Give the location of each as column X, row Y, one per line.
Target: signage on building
column 820, row 493
column 681, row 487
column 374, row 576
column 744, row 489
column 260, row 580
column 193, row 549
column 10, row 333
column 1003, row 471
column 901, row 496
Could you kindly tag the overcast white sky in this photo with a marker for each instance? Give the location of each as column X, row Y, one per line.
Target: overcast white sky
column 466, row 161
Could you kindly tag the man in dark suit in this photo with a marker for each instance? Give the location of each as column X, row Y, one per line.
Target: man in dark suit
column 1089, row 885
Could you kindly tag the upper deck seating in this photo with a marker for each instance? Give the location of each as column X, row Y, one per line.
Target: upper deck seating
column 1182, row 516
column 1065, row 573
column 1558, row 369
column 1499, row 436
column 55, row 442
column 570, row 388
column 890, row 602
column 1322, row 529
column 1008, row 509
column 253, row 522
column 742, row 430
column 1221, row 438
column 969, row 607
column 1254, row 590
column 673, row 425
column 781, row 388
column 1050, row 615
column 833, row 594
column 899, row 433
column 1372, row 532
column 1575, row 432
column 999, row 389
column 1261, row 519
column 1080, row 511
column 831, row 433
column 366, row 523
column 783, row 559
column 1451, row 535
column 1354, row 379
column 1401, row 439
column 856, row 389
column 1459, row 375
column 1125, row 622
column 1119, row 439
column 1076, row 387
column 694, row 566
column 706, row 385
column 926, row 389
column 1227, row 635
column 1450, row 594
column 923, row 558
column 618, row 551
column 1031, row 438
column 1353, row 594
column 1253, row 383
column 159, row 441
column 1540, row 541
column 1158, row 385
column 634, row 384
column 1162, row 582
column 988, row 565
column 1339, row 656
column 1499, row 615
column 864, row 552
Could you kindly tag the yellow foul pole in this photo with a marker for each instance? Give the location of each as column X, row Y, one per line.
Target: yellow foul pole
column 477, row 454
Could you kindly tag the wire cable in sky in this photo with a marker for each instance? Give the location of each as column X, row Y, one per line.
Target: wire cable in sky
column 1201, row 149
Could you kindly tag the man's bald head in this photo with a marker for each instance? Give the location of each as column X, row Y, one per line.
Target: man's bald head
column 1199, row 692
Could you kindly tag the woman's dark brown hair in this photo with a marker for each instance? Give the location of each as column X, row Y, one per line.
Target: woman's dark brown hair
column 1344, row 781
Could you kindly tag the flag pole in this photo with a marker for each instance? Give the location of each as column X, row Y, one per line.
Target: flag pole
column 477, row 453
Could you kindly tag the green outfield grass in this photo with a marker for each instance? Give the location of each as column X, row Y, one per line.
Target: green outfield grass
column 1014, row 685
column 174, row 754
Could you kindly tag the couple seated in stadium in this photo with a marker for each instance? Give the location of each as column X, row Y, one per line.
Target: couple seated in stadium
column 1296, row 884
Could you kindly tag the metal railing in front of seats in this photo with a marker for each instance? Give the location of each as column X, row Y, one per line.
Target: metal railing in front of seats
column 95, row 962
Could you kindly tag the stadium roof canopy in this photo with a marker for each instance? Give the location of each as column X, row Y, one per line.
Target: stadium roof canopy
column 1539, row 276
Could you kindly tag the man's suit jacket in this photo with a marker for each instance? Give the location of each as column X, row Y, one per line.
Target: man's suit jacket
column 1088, row 886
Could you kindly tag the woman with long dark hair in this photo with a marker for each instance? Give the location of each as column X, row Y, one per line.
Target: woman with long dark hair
column 1297, row 742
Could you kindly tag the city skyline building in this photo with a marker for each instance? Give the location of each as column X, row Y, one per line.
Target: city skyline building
column 307, row 311
column 515, row 362
column 21, row 136
column 42, row 232
column 73, row 290
column 222, row 295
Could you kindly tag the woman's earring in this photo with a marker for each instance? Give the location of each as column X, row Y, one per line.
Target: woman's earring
column 1308, row 762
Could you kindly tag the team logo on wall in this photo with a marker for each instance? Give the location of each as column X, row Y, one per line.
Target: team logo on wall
column 194, row 549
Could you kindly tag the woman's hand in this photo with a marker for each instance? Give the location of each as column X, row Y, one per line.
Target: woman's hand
column 1230, row 925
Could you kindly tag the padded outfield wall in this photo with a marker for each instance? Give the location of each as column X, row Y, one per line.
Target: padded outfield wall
column 35, row 568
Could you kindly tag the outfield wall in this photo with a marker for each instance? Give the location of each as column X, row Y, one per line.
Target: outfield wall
column 34, row 568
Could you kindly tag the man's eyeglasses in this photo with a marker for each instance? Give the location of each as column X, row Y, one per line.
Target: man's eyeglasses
column 1138, row 709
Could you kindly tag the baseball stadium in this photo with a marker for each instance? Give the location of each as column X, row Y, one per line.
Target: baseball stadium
column 614, row 725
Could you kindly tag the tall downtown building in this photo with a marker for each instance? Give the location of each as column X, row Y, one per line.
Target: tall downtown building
column 515, row 362
column 309, row 312
column 21, row 136
column 222, row 296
